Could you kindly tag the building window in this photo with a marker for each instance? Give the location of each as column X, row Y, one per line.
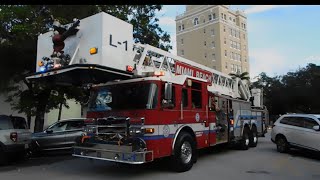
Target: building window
column 225, row 41
column 204, row 30
column 221, row 15
column 213, row 45
column 210, row 17
column 205, row 43
column 212, row 32
column 232, row 55
column 205, row 55
column 214, row 16
column 181, row 41
column 213, row 56
column 234, row 20
column 225, row 53
column 182, row 52
column 225, row 17
column 230, row 18
column 232, row 68
column 245, row 59
column 182, row 26
column 195, row 21
column 224, row 28
column 204, row 21
column 226, row 66
column 244, row 26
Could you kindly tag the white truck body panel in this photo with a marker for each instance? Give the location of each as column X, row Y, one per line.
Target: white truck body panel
column 111, row 36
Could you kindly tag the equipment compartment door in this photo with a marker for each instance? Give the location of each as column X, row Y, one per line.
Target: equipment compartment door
column 222, row 127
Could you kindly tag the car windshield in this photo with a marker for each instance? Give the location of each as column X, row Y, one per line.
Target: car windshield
column 124, row 96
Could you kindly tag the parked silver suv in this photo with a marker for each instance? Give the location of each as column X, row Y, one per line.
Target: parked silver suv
column 15, row 137
column 297, row 131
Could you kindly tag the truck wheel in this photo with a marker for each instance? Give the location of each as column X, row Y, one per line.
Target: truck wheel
column 253, row 138
column 184, row 153
column 245, row 140
column 282, row 144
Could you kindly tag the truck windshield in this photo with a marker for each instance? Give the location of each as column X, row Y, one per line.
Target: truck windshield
column 124, row 96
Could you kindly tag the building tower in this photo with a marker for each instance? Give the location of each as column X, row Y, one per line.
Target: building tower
column 215, row 36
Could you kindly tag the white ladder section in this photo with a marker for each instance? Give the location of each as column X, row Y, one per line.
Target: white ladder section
column 149, row 59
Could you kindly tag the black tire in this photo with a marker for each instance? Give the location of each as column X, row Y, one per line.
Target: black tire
column 282, row 144
column 253, row 139
column 3, row 157
column 244, row 145
column 180, row 161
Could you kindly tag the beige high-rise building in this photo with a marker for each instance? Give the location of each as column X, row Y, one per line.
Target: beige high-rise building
column 215, row 36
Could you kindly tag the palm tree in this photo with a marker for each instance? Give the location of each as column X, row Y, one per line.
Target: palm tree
column 242, row 76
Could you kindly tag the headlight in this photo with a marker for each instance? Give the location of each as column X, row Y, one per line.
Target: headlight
column 136, row 130
column 89, row 129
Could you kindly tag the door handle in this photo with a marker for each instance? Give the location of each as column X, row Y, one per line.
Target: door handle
column 206, row 124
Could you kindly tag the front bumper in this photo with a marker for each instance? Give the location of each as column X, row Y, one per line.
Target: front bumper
column 114, row 153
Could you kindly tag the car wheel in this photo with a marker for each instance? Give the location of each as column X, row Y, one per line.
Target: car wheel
column 245, row 140
column 3, row 157
column 184, row 153
column 253, row 138
column 282, row 144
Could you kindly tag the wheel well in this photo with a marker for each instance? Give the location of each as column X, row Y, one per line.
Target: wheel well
column 254, row 127
column 246, row 126
column 280, row 135
column 186, row 129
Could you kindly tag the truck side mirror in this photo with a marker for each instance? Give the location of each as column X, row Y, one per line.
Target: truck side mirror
column 168, row 91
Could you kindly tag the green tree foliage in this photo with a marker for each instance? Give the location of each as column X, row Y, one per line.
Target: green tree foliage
column 295, row 92
column 242, row 76
column 20, row 27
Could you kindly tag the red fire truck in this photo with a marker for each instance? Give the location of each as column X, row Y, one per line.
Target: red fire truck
column 147, row 103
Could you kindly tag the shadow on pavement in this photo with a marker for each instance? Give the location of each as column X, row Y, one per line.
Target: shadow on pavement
column 46, row 158
column 313, row 155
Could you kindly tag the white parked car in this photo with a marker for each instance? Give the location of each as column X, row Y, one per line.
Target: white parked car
column 297, row 131
column 15, row 137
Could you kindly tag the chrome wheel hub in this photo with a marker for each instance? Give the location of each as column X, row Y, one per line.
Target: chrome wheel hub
column 186, row 152
column 255, row 139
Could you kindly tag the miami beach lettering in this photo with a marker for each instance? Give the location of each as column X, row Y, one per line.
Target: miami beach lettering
column 190, row 71
column 184, row 70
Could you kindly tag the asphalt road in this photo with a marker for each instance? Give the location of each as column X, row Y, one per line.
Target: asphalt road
column 262, row 162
